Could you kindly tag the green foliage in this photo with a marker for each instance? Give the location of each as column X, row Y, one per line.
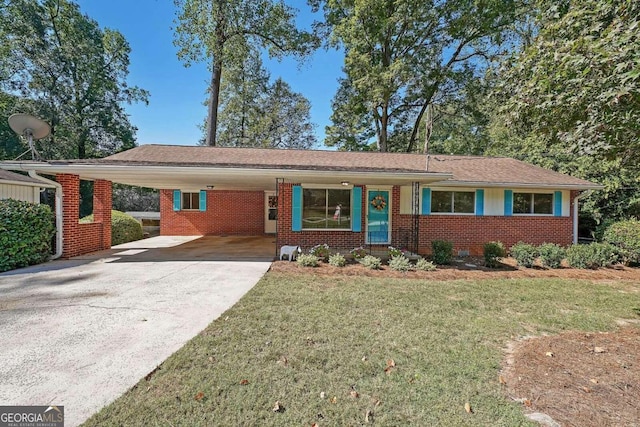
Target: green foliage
column 625, row 235
column 371, row 262
column 26, row 230
column 400, row 263
column 424, row 265
column 442, row 251
column 401, row 57
column 551, row 255
column 321, row 251
column 358, row 253
column 594, row 255
column 394, row 252
column 307, row 260
column 228, row 32
column 124, row 228
column 492, row 252
column 71, row 73
column 337, row 260
column 524, row 254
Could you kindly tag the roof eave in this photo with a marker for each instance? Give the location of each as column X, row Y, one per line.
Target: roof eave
column 557, row 186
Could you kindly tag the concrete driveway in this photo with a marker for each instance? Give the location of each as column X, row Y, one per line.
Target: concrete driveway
column 79, row 333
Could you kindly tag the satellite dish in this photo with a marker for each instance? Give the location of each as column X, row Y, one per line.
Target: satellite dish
column 30, row 128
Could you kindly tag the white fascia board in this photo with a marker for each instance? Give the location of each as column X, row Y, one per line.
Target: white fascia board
column 482, row 184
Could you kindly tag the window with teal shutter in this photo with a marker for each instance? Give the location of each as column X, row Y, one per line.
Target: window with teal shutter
column 203, row 200
column 426, row 201
column 296, row 208
column 479, row 202
column 356, row 209
column 557, row 203
column 508, row 202
column 177, row 197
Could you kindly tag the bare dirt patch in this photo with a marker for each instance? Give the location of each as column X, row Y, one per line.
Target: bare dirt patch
column 578, row 378
column 466, row 268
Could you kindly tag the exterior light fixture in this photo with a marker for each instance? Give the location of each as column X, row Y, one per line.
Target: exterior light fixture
column 210, row 187
column 345, row 183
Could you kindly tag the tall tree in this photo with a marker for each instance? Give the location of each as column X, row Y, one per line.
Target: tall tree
column 71, row 73
column 401, row 53
column 285, row 120
column 570, row 100
column 213, row 29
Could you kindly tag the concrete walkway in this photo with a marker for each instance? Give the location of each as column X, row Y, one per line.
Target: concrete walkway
column 81, row 332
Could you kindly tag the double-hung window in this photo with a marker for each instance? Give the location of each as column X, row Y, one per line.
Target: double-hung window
column 190, row 201
column 462, row 202
column 533, row 203
column 326, row 208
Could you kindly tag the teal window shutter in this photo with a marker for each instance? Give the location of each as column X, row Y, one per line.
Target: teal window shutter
column 426, row 201
column 557, row 203
column 479, row 202
column 356, row 209
column 296, row 208
column 203, row 200
column 177, row 199
column 508, row 202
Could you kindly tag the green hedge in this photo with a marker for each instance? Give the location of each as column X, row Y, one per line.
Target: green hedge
column 124, row 228
column 26, row 230
column 625, row 235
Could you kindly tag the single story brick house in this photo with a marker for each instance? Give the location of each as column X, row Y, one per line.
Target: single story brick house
column 344, row 199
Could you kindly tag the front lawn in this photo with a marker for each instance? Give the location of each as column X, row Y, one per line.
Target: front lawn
column 355, row 350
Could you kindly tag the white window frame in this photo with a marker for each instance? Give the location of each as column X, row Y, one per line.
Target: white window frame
column 326, row 188
column 532, row 203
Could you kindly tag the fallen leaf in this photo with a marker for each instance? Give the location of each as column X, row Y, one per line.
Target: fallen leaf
column 148, row 388
column 549, row 354
column 334, row 399
column 315, row 425
column 501, row 379
column 354, row 394
column 322, row 395
column 527, row 403
column 599, row 350
column 364, row 358
column 226, row 318
column 210, row 358
column 593, row 380
column 278, row 407
column 244, row 382
column 391, row 363
column 377, row 402
column 199, row 396
column 368, row 416
column 586, row 389
column 467, row 407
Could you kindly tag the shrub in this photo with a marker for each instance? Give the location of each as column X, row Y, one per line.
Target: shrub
column 394, row 252
column 26, row 230
column 358, row 253
column 400, row 263
column 371, row 262
column 492, row 251
column 337, row 260
column 625, row 235
column 524, row 254
column 307, row 260
column 551, row 255
column 594, row 255
column 124, row 228
column 321, row 251
column 442, row 251
column 424, row 265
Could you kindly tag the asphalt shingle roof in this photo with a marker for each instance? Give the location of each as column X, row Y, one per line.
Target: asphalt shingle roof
column 472, row 169
column 11, row 176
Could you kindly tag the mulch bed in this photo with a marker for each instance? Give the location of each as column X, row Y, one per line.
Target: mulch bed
column 465, row 268
column 578, row 378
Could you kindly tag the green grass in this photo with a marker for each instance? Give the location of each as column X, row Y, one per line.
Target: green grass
column 336, row 335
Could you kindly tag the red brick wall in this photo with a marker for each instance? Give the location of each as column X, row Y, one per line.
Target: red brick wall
column 79, row 239
column 465, row 231
column 228, row 212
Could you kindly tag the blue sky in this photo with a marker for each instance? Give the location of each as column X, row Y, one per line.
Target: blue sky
column 177, row 93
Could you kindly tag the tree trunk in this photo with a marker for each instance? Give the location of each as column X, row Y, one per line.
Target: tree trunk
column 214, row 99
column 416, row 124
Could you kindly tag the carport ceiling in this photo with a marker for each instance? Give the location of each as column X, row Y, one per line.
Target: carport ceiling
column 199, row 177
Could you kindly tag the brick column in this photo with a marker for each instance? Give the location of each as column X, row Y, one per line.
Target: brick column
column 102, row 204
column 70, row 214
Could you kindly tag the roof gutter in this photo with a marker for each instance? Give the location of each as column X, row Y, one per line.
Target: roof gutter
column 58, row 197
column 519, row 185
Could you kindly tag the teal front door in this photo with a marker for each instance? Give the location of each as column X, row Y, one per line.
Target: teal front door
column 378, row 230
